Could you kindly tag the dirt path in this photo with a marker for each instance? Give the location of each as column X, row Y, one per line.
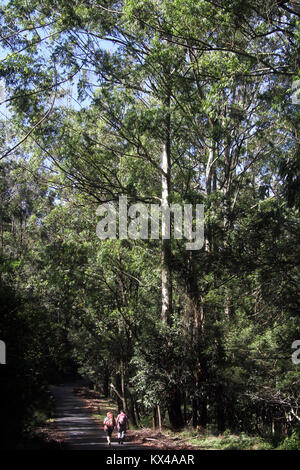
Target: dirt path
column 79, row 431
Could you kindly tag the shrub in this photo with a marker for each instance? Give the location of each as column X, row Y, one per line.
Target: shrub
column 291, row 442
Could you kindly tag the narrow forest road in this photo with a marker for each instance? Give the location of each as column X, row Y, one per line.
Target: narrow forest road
column 79, row 430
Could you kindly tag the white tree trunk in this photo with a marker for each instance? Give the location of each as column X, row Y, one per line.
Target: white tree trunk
column 166, row 277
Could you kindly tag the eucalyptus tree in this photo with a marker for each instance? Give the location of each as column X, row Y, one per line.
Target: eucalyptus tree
column 189, row 104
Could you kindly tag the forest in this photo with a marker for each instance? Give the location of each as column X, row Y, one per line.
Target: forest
column 161, row 102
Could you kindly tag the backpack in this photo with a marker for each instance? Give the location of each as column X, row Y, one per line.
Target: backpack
column 109, row 421
column 122, row 418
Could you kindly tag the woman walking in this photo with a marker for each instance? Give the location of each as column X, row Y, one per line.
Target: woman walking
column 122, row 421
column 109, row 425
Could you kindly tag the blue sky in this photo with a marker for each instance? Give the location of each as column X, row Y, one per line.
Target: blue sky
column 105, row 44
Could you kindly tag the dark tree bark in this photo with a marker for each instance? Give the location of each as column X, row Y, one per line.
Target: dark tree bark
column 174, row 410
column 105, row 383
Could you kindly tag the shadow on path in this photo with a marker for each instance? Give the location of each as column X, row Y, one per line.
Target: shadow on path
column 80, row 431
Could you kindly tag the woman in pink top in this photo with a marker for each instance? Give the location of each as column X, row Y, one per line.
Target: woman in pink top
column 122, row 421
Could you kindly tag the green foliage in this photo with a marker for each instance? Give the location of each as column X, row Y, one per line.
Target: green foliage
column 210, row 83
column 291, row 442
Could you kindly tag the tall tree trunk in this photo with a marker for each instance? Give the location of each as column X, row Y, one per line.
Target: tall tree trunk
column 123, row 387
column 131, row 410
column 220, row 389
column 174, row 403
column 227, row 210
column 210, row 183
column 136, row 411
column 154, row 418
column 197, row 312
column 105, row 383
column 174, row 409
column 220, row 408
column 159, row 418
column 166, row 274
